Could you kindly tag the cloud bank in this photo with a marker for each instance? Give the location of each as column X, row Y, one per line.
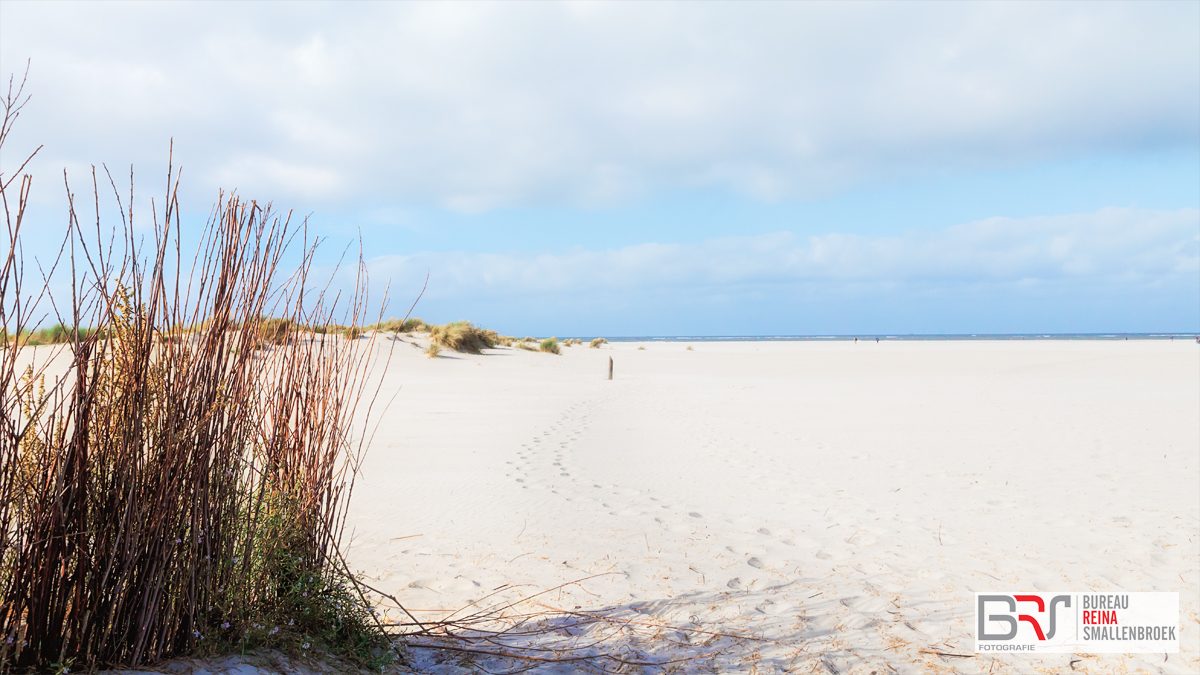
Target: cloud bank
column 1108, row 263
column 471, row 106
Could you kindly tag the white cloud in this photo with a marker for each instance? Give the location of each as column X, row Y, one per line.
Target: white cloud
column 1128, row 246
column 476, row 105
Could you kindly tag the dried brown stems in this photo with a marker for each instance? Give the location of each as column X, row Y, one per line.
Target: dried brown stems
column 170, row 479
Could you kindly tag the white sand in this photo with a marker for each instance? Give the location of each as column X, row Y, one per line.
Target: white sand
column 842, row 501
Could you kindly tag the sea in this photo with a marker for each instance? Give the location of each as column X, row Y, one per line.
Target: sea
column 902, row 337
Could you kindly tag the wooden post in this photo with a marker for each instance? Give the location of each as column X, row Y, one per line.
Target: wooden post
column 610, row 367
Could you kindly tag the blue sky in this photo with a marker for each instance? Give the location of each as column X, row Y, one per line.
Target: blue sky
column 667, row 168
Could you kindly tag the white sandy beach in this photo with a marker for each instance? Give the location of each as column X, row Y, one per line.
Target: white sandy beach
column 840, row 501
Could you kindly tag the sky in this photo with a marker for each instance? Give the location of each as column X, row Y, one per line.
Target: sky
column 654, row 168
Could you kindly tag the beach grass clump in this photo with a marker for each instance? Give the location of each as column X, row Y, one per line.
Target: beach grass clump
column 462, row 336
column 597, row 342
column 549, row 345
column 409, row 325
column 164, row 497
column 276, row 331
column 433, row 350
column 56, row 334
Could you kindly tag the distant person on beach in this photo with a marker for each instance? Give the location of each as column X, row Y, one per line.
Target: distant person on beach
column 876, row 340
column 856, row 339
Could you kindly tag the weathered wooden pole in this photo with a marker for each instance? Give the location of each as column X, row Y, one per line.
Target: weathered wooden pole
column 610, row 367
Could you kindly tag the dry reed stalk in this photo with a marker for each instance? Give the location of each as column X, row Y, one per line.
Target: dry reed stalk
column 174, row 486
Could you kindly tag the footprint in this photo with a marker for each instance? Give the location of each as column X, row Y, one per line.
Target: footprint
column 735, row 584
column 695, row 515
column 755, row 563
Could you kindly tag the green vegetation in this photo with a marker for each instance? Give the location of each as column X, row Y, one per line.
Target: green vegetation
column 550, row 345
column 462, row 336
column 433, row 350
column 597, row 342
column 410, row 325
column 459, row 336
column 56, row 334
column 276, row 331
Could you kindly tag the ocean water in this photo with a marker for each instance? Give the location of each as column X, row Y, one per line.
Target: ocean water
column 905, row 338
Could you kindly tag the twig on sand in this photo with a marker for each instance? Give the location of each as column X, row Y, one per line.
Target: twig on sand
column 934, row 651
column 550, row 634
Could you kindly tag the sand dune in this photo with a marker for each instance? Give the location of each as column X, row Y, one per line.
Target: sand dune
column 838, row 502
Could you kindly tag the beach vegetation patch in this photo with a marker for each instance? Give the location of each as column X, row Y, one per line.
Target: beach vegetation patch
column 161, row 496
column 409, row 325
column 463, row 336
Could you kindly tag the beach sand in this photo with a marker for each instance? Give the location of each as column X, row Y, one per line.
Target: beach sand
column 839, row 503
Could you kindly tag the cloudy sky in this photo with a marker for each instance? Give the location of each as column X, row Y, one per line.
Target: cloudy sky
column 667, row 168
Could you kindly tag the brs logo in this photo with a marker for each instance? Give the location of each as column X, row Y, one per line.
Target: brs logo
column 1013, row 618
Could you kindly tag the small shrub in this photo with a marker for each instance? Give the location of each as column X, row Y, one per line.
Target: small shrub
column 689, row 348
column 461, row 336
column 397, row 326
column 550, row 345
column 525, row 345
column 352, row 332
column 200, row 513
column 641, row 349
column 433, row 350
column 275, row 331
column 597, row 342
